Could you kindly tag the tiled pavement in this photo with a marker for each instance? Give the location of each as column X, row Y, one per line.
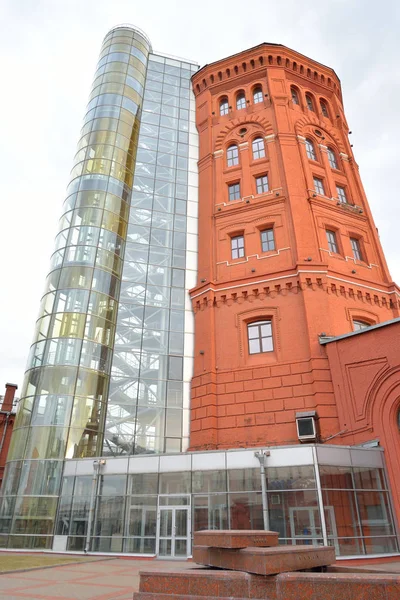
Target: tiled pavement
column 108, row 579
column 101, row 580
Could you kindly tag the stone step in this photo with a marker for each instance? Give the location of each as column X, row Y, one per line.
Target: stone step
column 236, row 538
column 265, row 561
column 204, row 584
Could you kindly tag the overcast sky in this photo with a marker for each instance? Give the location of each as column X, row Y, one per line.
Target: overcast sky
column 48, row 55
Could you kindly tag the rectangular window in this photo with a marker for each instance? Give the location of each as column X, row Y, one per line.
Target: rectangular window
column 332, row 244
column 262, row 184
column 319, row 186
column 267, row 240
column 341, row 192
column 234, row 191
column 355, row 246
column 237, row 246
column 260, row 337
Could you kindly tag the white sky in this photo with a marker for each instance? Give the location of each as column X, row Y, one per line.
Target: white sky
column 48, row 54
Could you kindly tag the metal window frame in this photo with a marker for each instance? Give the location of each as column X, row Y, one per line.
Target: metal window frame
column 332, row 240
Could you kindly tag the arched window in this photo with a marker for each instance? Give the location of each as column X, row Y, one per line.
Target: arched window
column 310, row 150
column 257, row 95
column 258, row 148
column 309, row 101
column 240, row 101
column 324, row 108
column 360, row 325
column 295, row 96
column 223, row 107
column 332, row 158
column 232, row 155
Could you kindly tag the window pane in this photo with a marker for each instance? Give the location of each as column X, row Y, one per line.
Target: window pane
column 260, row 337
column 332, row 158
column 257, row 95
column 240, row 102
column 254, row 346
column 234, row 191
column 267, row 345
column 355, row 245
column 258, row 148
column 232, row 156
column 319, row 186
column 341, row 194
column 331, row 237
column 262, row 184
column 223, row 107
column 310, row 150
column 309, row 101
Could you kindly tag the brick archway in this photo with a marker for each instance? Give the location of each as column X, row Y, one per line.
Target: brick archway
column 384, row 406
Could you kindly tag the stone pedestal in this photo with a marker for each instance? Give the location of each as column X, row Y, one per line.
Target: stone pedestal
column 250, row 565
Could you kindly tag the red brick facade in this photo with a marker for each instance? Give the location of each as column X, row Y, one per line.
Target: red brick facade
column 365, row 371
column 7, row 417
column 303, row 288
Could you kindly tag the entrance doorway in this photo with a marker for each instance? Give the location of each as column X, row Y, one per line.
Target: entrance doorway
column 173, row 531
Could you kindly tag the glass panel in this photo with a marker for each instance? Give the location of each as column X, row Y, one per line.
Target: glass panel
column 245, row 511
column 144, row 483
column 34, row 515
column 181, row 548
column 210, row 512
column 40, row 477
column 286, row 478
column 166, row 522
column 244, row 480
column 209, row 481
column 110, row 516
column 175, row 483
column 46, row 442
column 374, row 513
column 286, row 517
column 344, row 521
column 368, row 478
column 181, row 518
column 335, row 477
column 165, row 547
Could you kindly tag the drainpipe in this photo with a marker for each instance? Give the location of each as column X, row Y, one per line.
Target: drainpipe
column 262, row 456
column 97, row 464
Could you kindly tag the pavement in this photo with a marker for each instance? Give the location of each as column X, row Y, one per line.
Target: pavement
column 107, row 579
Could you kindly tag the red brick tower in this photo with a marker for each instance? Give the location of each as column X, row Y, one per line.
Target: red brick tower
column 288, row 249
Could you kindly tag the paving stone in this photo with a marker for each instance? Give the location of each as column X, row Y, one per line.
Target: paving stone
column 265, row 561
column 236, row 538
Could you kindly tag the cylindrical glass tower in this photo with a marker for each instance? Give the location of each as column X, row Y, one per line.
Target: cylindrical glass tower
column 64, row 395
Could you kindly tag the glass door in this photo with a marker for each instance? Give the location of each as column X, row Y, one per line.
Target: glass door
column 173, row 540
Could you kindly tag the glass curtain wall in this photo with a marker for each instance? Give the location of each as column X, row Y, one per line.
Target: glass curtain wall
column 146, row 410
column 62, row 409
column 356, row 507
